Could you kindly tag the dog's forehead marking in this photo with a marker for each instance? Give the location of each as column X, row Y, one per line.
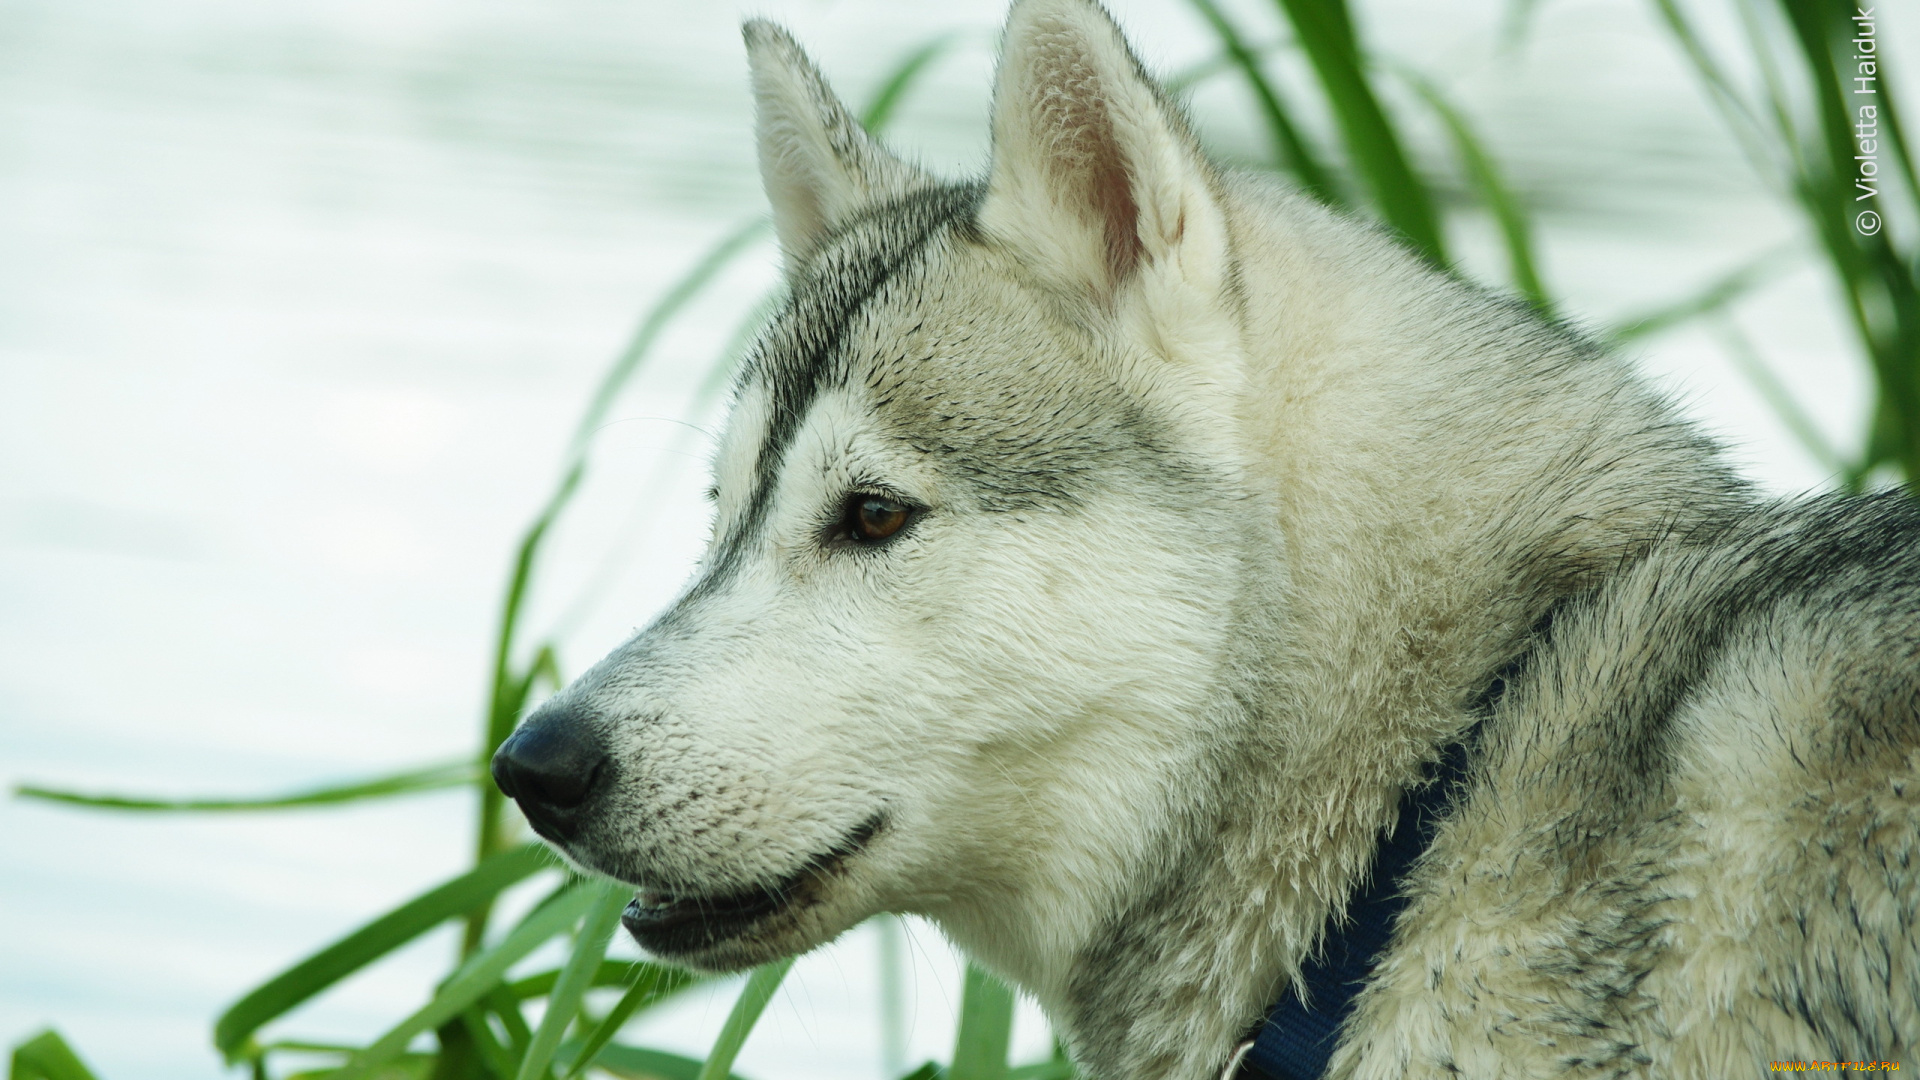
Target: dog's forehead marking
column 803, row 352
column 955, row 357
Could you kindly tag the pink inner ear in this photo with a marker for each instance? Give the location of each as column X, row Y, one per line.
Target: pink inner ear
column 1086, row 159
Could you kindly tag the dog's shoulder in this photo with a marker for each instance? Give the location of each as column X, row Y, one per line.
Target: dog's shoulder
column 1699, row 798
column 1792, row 624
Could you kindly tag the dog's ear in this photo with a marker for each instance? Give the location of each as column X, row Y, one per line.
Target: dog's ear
column 816, row 160
column 1094, row 172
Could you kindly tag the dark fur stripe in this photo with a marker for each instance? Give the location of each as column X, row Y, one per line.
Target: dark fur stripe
column 803, row 353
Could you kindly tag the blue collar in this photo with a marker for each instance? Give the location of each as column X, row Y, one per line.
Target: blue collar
column 1296, row 1040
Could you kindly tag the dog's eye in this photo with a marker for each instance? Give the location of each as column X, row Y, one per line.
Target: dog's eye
column 873, row 518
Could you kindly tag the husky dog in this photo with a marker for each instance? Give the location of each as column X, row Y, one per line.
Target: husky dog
column 1104, row 550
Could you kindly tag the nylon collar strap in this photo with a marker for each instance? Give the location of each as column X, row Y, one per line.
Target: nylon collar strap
column 1297, row 1039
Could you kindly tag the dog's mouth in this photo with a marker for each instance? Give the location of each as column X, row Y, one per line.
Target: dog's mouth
column 670, row 923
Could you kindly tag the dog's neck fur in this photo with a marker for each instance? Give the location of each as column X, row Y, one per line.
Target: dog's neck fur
column 1375, row 478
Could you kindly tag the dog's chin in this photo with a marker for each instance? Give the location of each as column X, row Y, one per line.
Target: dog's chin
column 728, row 931
column 720, row 948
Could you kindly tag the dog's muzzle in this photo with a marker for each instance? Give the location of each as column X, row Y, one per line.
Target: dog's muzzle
column 552, row 767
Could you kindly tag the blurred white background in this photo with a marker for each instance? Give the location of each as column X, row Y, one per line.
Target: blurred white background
column 299, row 302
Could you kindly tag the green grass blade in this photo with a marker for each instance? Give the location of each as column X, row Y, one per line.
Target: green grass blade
column 641, row 1063
column 1740, row 115
column 372, row 941
column 405, row 1067
column 712, row 385
column 563, row 1005
column 498, row 1058
column 1179, row 82
column 1516, row 23
column 1773, row 87
column 1494, row 194
column 1812, row 21
column 47, row 1056
column 507, row 1007
column 307, row 1046
column 509, row 694
column 474, row 979
column 1045, row 1070
column 412, row 781
column 1748, row 360
column 690, row 285
column 545, row 668
column 461, row 1052
column 1896, row 141
column 1325, row 31
column 655, row 985
column 1874, row 274
column 1870, row 273
column 986, row 1027
column 1291, row 151
column 929, row 1071
column 734, row 352
column 611, row 973
column 1715, row 296
column 880, row 110
column 746, row 1012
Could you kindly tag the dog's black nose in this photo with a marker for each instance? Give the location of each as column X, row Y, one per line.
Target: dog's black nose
column 550, row 767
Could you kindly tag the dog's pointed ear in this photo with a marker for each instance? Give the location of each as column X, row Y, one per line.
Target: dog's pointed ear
column 1094, row 172
column 816, row 160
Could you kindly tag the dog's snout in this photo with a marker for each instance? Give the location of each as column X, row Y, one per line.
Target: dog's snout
column 550, row 767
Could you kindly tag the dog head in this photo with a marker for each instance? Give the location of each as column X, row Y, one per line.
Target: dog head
column 977, row 528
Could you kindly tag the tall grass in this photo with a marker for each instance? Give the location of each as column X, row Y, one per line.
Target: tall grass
column 1793, row 119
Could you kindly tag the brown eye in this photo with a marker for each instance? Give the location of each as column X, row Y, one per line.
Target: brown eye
column 873, row 518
